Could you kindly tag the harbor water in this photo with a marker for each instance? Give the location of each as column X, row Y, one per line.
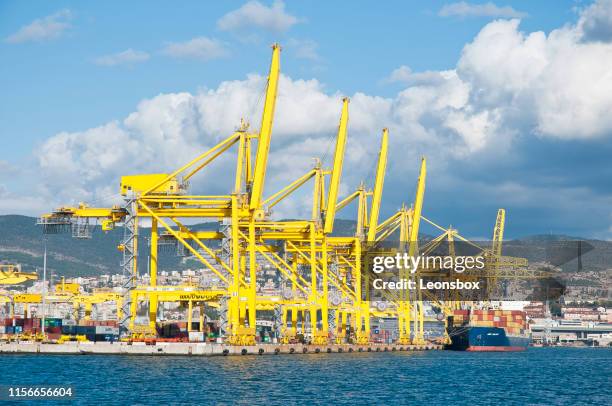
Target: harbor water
column 538, row 376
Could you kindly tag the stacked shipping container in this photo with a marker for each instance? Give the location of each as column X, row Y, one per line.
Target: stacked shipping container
column 513, row 321
column 55, row 328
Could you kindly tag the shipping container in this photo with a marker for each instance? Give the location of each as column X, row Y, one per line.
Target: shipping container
column 52, row 322
column 69, row 330
column 85, row 330
column 196, row 336
column 107, row 330
column 53, row 330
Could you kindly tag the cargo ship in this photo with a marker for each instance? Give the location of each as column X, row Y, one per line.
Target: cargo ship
column 488, row 330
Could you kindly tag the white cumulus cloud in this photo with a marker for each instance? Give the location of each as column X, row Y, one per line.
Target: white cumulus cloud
column 127, row 57
column 465, row 9
column 556, row 84
column 46, row 28
column 507, row 84
column 304, row 49
column 405, row 75
column 255, row 14
column 596, row 21
column 170, row 129
column 202, row 48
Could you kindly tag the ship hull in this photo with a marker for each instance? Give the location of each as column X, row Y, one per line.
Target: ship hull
column 486, row 339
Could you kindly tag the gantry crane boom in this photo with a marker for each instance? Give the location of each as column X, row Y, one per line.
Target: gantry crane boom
column 265, row 132
column 418, row 208
column 498, row 232
column 378, row 186
column 334, row 183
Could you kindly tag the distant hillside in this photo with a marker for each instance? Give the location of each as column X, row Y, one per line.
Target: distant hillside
column 563, row 251
column 21, row 241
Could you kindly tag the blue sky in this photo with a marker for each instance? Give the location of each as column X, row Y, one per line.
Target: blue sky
column 93, row 63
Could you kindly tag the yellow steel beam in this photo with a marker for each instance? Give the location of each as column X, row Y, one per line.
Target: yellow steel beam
column 498, row 232
column 201, row 235
column 223, row 144
column 393, row 218
column 187, row 245
column 265, row 132
column 378, row 186
column 334, row 182
column 347, row 200
column 418, row 207
column 190, row 212
column 214, row 156
column 287, row 190
column 340, row 285
column 277, row 264
column 193, row 236
column 14, row 278
column 178, row 294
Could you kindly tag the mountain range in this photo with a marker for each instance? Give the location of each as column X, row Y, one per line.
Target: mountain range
column 22, row 242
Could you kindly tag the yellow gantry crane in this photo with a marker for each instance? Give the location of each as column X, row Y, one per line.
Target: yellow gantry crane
column 163, row 199
column 322, row 274
column 346, row 253
column 406, row 306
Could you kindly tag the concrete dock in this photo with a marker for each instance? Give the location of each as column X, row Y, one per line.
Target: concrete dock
column 199, row 349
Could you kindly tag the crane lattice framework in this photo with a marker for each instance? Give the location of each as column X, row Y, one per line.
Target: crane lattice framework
column 497, row 267
column 78, row 301
column 163, row 199
column 353, row 305
column 406, row 305
column 309, row 259
column 322, row 273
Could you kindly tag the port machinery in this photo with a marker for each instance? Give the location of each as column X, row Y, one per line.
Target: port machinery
column 11, row 274
column 82, row 303
column 321, row 273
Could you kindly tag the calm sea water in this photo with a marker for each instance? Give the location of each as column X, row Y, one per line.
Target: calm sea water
column 539, row 376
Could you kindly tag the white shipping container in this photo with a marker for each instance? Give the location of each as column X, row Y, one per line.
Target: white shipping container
column 2, row 330
column 107, row 330
column 196, row 336
column 68, row 322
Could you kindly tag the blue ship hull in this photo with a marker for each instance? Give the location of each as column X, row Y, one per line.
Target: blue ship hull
column 485, row 339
